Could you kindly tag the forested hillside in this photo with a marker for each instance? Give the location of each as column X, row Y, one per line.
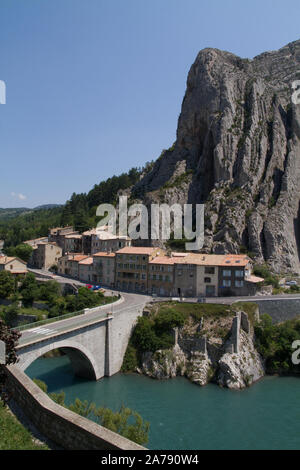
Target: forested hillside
column 18, row 225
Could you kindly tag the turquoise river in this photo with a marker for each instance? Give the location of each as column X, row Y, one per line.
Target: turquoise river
column 185, row 416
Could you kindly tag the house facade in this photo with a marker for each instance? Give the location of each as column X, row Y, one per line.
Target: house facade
column 132, row 267
column 68, row 264
column 104, row 241
column 45, row 255
column 73, row 243
column 85, row 270
column 13, row 264
column 104, row 268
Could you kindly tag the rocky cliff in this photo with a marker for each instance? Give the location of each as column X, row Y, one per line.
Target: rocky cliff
column 216, row 350
column 238, row 151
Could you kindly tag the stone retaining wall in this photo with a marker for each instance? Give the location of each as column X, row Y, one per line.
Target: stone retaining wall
column 60, row 425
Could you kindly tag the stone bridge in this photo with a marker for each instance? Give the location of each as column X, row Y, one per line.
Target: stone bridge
column 95, row 343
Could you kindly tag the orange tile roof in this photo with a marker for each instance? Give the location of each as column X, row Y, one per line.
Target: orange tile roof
column 86, row 261
column 6, row 259
column 137, row 250
column 75, row 235
column 215, row 260
column 77, row 258
column 163, row 260
column 90, row 232
column 178, row 254
column 254, row 279
column 104, row 253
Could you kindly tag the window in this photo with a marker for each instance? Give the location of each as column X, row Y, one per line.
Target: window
column 209, row 270
column 207, row 280
column 239, row 273
column 239, row 283
column 226, row 273
column 226, row 283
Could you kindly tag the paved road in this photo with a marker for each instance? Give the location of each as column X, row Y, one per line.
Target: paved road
column 40, row 332
column 231, row 300
column 130, row 301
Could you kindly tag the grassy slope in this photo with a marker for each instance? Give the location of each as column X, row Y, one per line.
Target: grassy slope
column 13, row 436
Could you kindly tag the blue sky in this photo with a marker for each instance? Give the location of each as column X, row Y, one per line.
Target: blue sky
column 95, row 87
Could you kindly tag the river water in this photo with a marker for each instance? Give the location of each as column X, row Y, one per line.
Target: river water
column 185, row 416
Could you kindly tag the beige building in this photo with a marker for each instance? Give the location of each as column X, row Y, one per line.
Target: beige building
column 104, row 241
column 68, row 264
column 12, row 264
column 34, row 243
column 73, row 243
column 45, row 255
column 87, row 241
column 132, row 267
column 104, row 268
column 214, row 275
column 161, row 274
column 59, row 234
column 85, row 270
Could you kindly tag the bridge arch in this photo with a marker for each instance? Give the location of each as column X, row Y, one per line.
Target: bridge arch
column 82, row 361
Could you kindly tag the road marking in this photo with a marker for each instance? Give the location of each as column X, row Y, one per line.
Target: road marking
column 43, row 331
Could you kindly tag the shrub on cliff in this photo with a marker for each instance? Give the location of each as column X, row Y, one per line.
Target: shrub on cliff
column 167, row 320
column 144, row 337
column 130, row 361
column 274, row 342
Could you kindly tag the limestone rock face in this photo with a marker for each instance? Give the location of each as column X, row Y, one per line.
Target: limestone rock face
column 238, row 151
column 199, row 370
column 237, row 371
column 164, row 364
column 233, row 363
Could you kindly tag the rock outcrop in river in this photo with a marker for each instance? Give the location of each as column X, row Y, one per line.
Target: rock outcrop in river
column 238, row 151
column 220, row 350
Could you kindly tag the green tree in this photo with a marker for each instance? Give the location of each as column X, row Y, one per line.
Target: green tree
column 126, row 422
column 7, row 284
column 29, row 290
column 144, row 337
column 23, row 251
column 11, row 315
column 49, row 291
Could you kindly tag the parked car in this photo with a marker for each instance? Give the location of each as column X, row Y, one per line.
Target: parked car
column 96, row 288
column 291, row 283
column 201, row 300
